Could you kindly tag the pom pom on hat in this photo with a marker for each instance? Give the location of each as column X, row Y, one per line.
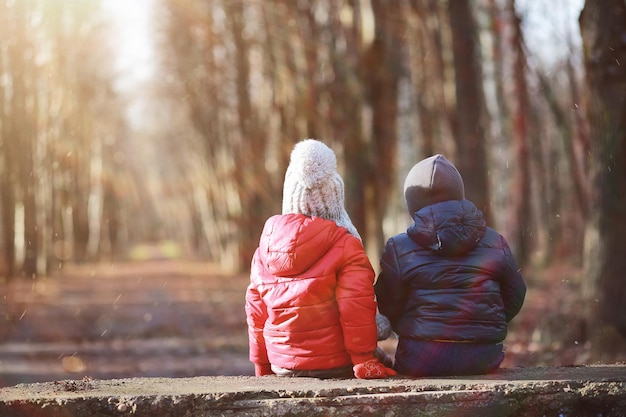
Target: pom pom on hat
column 312, row 162
column 312, row 185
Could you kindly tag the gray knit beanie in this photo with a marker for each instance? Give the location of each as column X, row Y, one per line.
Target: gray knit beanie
column 431, row 181
column 312, row 185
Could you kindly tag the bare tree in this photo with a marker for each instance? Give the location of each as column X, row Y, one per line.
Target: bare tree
column 521, row 193
column 603, row 26
column 428, row 68
column 23, row 115
column 7, row 166
column 383, row 71
column 59, row 100
column 470, row 118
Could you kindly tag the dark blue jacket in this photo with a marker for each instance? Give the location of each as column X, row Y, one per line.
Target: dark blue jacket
column 449, row 277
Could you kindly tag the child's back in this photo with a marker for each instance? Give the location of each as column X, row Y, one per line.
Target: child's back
column 309, row 317
column 450, row 284
column 310, row 304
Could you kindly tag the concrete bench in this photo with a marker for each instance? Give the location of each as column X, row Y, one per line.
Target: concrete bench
column 579, row 391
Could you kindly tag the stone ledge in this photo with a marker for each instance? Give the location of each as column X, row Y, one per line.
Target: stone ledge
column 566, row 391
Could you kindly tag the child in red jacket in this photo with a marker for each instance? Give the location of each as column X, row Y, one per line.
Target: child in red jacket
column 310, row 305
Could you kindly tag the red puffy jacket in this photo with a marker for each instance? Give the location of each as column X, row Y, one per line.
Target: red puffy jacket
column 310, row 304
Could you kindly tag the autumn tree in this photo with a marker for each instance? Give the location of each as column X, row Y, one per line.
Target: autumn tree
column 603, row 28
column 8, row 175
column 320, row 75
column 427, row 56
column 57, row 105
column 384, row 69
column 470, row 127
column 521, row 195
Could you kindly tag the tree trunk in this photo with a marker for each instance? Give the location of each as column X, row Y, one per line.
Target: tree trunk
column 23, row 136
column 426, row 68
column 471, row 118
column 603, row 29
column 345, row 116
column 383, row 71
column 429, row 66
column 7, row 211
column 79, row 197
column 499, row 25
column 7, row 192
column 31, row 226
column 521, row 192
column 308, row 32
column 543, row 155
column 250, row 147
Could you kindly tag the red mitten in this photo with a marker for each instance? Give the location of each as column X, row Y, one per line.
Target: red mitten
column 262, row 370
column 372, row 369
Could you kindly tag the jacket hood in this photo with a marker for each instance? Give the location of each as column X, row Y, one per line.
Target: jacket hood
column 432, row 180
column 291, row 243
column 450, row 228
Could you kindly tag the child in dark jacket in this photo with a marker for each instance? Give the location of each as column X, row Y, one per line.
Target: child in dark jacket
column 450, row 284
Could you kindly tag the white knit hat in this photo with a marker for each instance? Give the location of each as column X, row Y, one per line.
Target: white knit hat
column 312, row 185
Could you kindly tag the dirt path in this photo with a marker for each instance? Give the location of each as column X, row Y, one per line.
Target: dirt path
column 153, row 318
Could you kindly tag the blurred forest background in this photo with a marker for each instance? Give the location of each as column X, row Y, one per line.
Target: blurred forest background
column 527, row 98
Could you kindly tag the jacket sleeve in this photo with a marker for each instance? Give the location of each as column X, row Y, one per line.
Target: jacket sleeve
column 391, row 291
column 356, row 302
column 256, row 316
column 512, row 286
